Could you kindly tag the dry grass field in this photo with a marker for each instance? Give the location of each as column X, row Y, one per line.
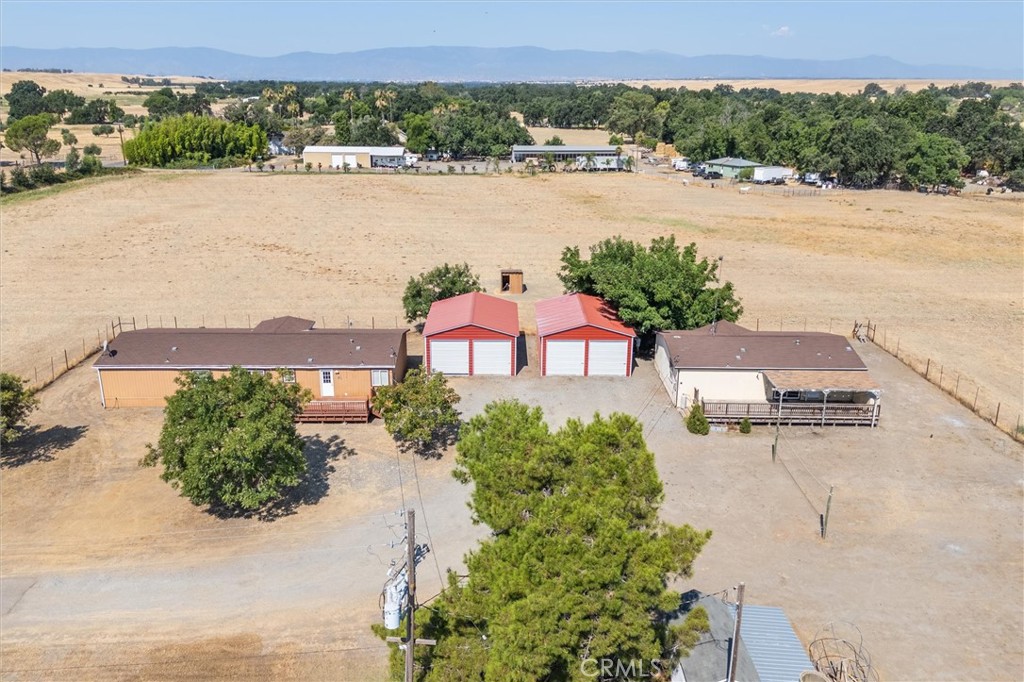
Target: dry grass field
column 940, row 274
column 109, row 575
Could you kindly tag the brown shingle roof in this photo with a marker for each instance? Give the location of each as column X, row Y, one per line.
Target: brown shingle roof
column 735, row 347
column 804, row 380
column 222, row 348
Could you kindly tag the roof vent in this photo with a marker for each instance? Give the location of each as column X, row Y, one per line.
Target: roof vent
column 676, row 336
column 359, row 347
column 174, row 349
column 742, row 349
column 797, row 342
column 849, row 350
column 738, row 357
column 309, row 359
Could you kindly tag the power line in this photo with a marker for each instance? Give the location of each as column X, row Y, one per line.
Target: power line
column 426, row 525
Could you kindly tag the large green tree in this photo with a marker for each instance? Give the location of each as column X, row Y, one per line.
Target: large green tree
column 194, row 138
column 935, row 159
column 419, row 411
column 26, row 98
column 652, row 288
column 437, row 284
column 579, row 566
column 16, row 403
column 30, row 133
column 634, row 112
column 231, row 442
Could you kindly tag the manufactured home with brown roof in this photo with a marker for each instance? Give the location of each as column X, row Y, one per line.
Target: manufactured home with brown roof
column 340, row 367
column 767, row 377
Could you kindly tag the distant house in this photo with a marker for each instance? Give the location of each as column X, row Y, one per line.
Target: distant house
column 581, row 335
column 792, row 377
column 355, row 157
column 730, row 167
column 768, row 649
column 472, row 334
column 605, row 157
column 340, row 367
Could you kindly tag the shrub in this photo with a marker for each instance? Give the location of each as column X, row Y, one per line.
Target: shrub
column 91, row 165
column 20, row 179
column 309, row 166
column 92, row 150
column 45, row 175
column 616, row 140
column 744, row 425
column 73, row 161
column 696, row 422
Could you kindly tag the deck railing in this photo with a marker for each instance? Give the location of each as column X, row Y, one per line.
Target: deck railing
column 335, row 411
column 720, row 411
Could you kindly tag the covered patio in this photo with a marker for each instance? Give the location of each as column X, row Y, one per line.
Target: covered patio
column 806, row 397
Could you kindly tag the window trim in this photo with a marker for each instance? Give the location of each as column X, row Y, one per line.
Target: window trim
column 373, row 380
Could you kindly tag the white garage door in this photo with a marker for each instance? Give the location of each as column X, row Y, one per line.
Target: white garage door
column 608, row 358
column 338, row 160
column 564, row 358
column 492, row 357
column 450, row 357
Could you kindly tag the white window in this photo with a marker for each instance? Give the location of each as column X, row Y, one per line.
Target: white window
column 379, row 377
column 326, row 376
column 287, row 376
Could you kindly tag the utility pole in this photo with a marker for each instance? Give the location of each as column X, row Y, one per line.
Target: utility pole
column 410, row 639
column 736, row 634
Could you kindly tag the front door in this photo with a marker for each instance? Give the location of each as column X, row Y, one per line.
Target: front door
column 327, row 383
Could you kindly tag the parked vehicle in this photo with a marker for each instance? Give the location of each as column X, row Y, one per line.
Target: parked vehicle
column 681, row 163
column 769, row 174
column 812, row 178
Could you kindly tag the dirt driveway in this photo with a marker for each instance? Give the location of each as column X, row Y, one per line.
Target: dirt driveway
column 108, row 574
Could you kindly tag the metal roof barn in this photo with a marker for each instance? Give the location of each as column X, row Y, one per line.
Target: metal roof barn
column 472, row 334
column 581, row 335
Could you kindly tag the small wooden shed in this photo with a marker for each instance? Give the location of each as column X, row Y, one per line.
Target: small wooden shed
column 512, row 281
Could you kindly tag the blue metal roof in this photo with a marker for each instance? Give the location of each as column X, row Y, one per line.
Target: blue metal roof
column 776, row 652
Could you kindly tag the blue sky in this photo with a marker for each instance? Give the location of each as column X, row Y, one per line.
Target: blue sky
column 975, row 33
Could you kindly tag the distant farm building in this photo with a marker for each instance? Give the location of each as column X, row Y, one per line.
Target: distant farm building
column 602, row 157
column 472, row 334
column 340, row 367
column 792, row 377
column 730, row 167
column 581, row 335
column 354, row 157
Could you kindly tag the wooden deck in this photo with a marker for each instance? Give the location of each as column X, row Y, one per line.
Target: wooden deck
column 335, row 411
column 721, row 412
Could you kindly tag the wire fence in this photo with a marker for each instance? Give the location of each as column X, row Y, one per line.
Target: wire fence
column 964, row 389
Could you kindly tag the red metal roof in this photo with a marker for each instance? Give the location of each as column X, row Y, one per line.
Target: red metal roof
column 475, row 309
column 571, row 311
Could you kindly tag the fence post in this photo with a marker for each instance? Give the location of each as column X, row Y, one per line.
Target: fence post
column 927, row 368
column 897, row 348
column 161, row 321
column 996, row 420
column 134, row 326
column 248, row 320
column 67, row 365
column 147, row 321
column 53, row 372
column 956, row 389
column 83, row 348
column 941, row 368
column 757, row 327
column 175, row 321
column 373, row 322
column 225, row 321
column 975, row 408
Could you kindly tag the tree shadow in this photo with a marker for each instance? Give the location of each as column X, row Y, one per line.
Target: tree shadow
column 40, row 445
column 314, row 486
column 434, row 449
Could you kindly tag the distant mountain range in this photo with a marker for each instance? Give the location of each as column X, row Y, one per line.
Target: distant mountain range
column 471, row 64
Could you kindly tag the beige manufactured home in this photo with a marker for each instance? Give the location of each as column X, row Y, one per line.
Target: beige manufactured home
column 340, row 367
